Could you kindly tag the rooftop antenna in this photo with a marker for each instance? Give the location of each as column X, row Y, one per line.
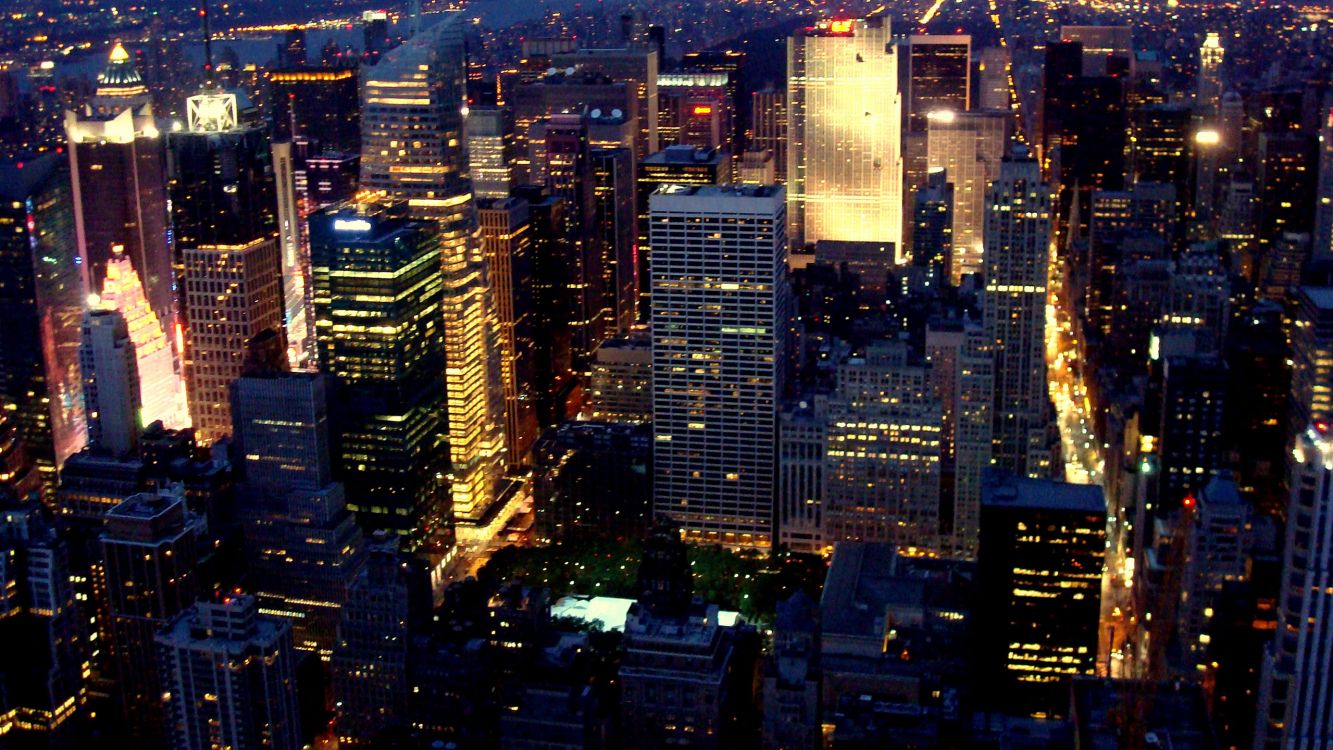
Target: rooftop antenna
column 209, row 83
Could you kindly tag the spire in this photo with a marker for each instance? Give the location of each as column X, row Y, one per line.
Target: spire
column 209, row 83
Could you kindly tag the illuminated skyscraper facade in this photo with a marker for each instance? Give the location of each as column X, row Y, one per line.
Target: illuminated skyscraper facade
column 110, row 382
column 161, row 389
column 768, row 120
column 377, row 288
column 231, row 294
column 1209, row 86
column 720, row 327
column 491, row 150
column 1017, row 255
column 969, row 147
column 42, row 301
column 413, row 149
column 845, row 168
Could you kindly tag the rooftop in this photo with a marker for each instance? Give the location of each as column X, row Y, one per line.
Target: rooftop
column 1000, row 488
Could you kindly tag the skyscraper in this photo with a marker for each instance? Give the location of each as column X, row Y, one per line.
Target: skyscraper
column 119, row 180
column 42, row 302
column 969, row 147
column 491, row 150
column 231, row 294
column 994, row 69
column 637, row 68
column 617, row 225
column 1292, row 696
column 110, row 382
column 430, row 172
column 674, row 165
column 150, row 548
column 319, row 104
column 161, row 388
column 939, row 76
column 768, row 120
column 295, row 255
column 229, row 677
column 377, row 285
column 932, row 228
column 718, row 358
column 1323, row 233
column 845, row 176
column 1039, row 574
column 1208, row 90
column 1017, row 253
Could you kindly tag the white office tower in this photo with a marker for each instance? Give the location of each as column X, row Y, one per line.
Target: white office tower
column 229, row 677
column 295, row 249
column 962, row 379
column 110, row 382
column 969, row 147
column 720, row 333
column 1017, row 256
column 161, row 387
column 1295, row 708
column 414, row 149
column 845, row 171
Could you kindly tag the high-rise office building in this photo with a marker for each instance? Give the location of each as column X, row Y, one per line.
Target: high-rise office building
column 1208, row 88
column 44, row 680
column 939, row 76
column 319, row 104
column 845, row 177
column 110, row 382
column 42, row 304
column 491, row 150
column 993, row 70
column 231, row 294
column 635, row 67
column 617, row 226
column 1190, row 438
column 882, row 452
column 377, row 284
column 506, row 238
column 932, row 228
column 622, row 380
column 1017, row 254
column 18, row 475
column 969, row 147
column 1287, row 180
column 229, row 677
column 696, row 109
column 303, row 545
column 1323, row 232
column 119, row 180
column 1217, row 545
column 295, row 256
column 1311, row 358
column 715, row 424
column 1100, row 44
column 1039, row 575
column 768, row 123
column 1292, row 698
column 799, row 510
column 431, row 174
column 149, row 548
column 161, row 388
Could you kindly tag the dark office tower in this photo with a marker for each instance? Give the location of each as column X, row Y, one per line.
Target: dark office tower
column 696, row 109
column 1017, row 240
column 328, row 179
column 231, row 293
column 1312, row 358
column 506, row 238
column 1063, row 63
column 491, row 151
column 229, row 677
column 569, row 176
column 418, row 153
column 932, row 229
column 293, row 52
column 792, row 677
column 370, row 662
column 220, row 177
column 116, row 165
column 768, row 123
column 1190, row 431
column 674, row 165
column 375, row 40
column 43, row 682
column 377, row 283
column 302, row 545
column 18, row 475
column 1323, row 225
column 42, row 301
column 319, row 104
column 617, row 226
column 1088, row 152
column 150, row 550
column 1287, row 180
column 636, row 68
column 939, row 77
column 1293, row 695
column 553, row 381
column 1039, row 574
column 110, row 383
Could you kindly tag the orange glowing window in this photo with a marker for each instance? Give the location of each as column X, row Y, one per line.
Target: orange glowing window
column 703, row 109
column 840, row 27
